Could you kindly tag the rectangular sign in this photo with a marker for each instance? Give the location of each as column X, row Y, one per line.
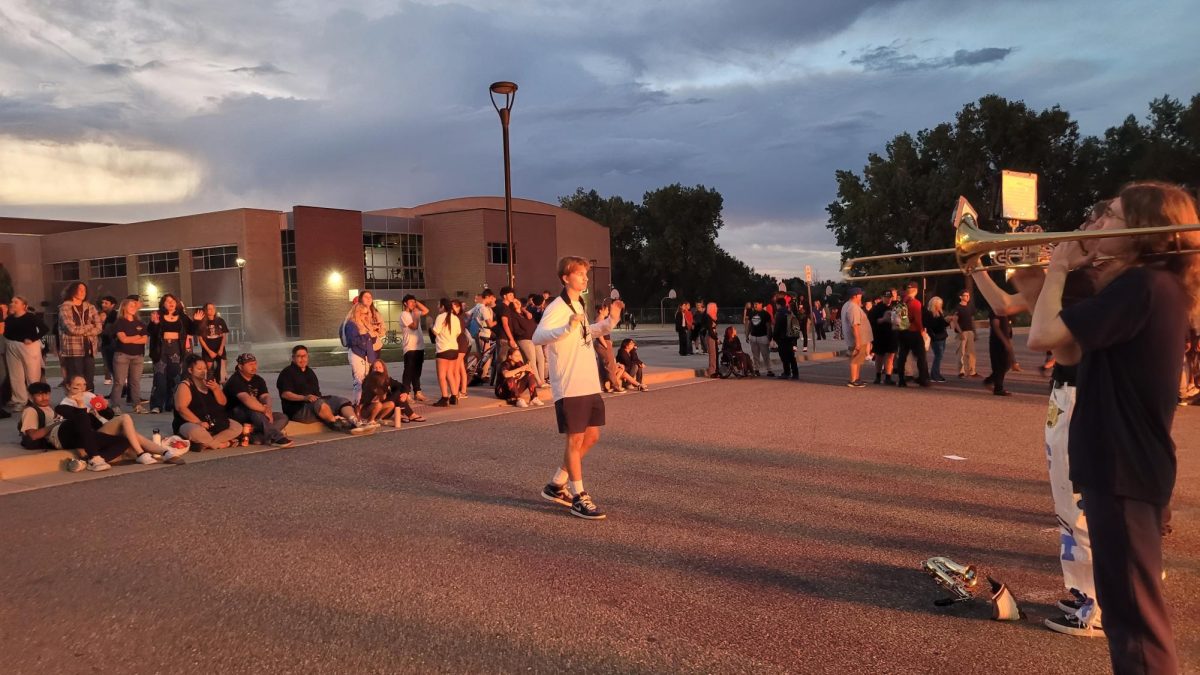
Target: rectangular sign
column 808, row 273
column 1018, row 192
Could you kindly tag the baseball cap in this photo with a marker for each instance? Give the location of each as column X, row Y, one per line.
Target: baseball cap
column 855, row 291
column 246, row 357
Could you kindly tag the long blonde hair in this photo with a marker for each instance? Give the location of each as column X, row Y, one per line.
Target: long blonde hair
column 936, row 305
column 1154, row 204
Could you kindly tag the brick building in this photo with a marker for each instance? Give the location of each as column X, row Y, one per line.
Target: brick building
column 301, row 267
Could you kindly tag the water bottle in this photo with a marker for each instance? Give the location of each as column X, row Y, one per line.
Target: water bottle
column 396, row 419
column 156, row 437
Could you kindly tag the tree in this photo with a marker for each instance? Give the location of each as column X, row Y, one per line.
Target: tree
column 902, row 200
column 669, row 242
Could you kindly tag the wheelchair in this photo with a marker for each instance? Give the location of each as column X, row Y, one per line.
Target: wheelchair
column 734, row 364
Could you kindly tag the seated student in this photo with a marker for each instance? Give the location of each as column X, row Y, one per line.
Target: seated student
column 200, row 413
column 249, row 402
column 379, row 388
column 301, row 399
column 732, row 345
column 84, row 422
column 635, row 368
column 518, row 378
column 611, row 372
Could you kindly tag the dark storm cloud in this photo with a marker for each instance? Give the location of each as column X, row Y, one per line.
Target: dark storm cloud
column 117, row 69
column 39, row 118
column 894, row 58
column 261, row 69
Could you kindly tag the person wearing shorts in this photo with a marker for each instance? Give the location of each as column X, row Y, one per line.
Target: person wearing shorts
column 574, row 382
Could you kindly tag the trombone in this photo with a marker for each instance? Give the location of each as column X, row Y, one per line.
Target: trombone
column 1009, row 251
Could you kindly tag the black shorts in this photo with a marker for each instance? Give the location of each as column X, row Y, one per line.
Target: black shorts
column 577, row 413
column 448, row 355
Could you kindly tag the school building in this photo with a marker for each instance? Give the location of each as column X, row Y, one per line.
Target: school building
column 290, row 275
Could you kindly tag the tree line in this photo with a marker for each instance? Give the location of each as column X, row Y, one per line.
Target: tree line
column 669, row 242
column 903, row 198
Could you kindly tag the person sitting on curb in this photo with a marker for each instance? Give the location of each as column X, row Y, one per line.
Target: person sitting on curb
column 249, row 402
column 200, row 414
column 301, row 399
column 611, row 372
column 518, row 378
column 70, row 427
column 635, row 368
column 380, row 387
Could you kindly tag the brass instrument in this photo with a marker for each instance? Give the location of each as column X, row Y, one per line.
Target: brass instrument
column 1011, row 250
column 960, row 580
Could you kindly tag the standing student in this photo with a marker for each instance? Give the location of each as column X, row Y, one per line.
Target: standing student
column 108, row 316
column 23, row 332
column 446, row 329
column 912, row 337
column 1128, row 341
column 999, row 350
column 464, row 347
column 759, row 337
column 964, row 327
column 857, row 329
column 574, row 382
column 361, row 352
column 683, row 327
column 936, row 323
column 213, row 334
column 169, row 332
column 414, row 345
column 79, row 326
column 130, row 337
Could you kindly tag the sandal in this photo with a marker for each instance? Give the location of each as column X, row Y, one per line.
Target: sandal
column 414, row 418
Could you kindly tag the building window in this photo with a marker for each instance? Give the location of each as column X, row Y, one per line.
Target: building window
column 497, row 253
column 291, row 285
column 66, row 271
column 215, row 258
column 107, row 268
column 158, row 263
column 394, row 260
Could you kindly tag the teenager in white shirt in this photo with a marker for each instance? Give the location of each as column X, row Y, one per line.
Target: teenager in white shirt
column 414, row 345
column 446, row 329
column 574, row 382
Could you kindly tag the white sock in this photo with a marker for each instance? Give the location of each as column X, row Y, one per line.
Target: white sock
column 576, row 488
column 560, row 477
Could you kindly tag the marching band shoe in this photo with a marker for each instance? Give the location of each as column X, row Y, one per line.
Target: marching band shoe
column 557, row 494
column 583, row 507
column 1070, row 625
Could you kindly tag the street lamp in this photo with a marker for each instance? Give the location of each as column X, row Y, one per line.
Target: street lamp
column 509, row 91
column 662, row 312
column 241, row 265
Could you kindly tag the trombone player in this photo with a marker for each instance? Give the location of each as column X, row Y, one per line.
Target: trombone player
column 1081, row 611
column 1128, row 342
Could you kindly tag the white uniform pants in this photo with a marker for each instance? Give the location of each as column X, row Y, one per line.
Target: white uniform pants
column 1075, row 546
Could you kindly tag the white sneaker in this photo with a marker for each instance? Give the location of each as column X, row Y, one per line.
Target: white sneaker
column 522, row 403
column 97, row 463
column 146, row 458
column 76, row 465
column 539, row 402
column 544, row 385
column 108, row 380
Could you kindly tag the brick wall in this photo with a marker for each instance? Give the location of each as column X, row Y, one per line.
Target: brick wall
column 328, row 242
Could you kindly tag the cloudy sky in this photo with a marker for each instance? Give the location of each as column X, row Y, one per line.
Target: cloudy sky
column 136, row 109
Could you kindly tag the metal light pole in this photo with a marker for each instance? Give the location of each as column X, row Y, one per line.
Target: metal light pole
column 509, row 91
column 241, row 265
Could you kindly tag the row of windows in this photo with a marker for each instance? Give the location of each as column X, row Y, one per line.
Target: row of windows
column 394, row 260
column 214, row 258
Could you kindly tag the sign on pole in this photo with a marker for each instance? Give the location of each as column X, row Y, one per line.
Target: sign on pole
column 808, row 273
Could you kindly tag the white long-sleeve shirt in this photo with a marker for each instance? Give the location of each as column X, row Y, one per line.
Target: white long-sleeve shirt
column 572, row 359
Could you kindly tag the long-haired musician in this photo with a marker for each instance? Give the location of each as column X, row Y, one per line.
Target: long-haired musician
column 1128, row 341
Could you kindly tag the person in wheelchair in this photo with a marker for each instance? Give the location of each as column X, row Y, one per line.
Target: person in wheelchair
column 734, row 361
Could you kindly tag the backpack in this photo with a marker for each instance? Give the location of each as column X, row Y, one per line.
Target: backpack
column 900, row 316
column 793, row 327
column 473, row 325
column 342, row 334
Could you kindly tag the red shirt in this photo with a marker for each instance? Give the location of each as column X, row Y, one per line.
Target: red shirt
column 914, row 315
column 687, row 318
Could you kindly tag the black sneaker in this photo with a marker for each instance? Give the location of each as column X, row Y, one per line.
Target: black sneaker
column 857, row 384
column 282, row 442
column 557, row 494
column 441, row 403
column 1072, row 604
column 584, row 507
column 454, row 400
column 1070, row 625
